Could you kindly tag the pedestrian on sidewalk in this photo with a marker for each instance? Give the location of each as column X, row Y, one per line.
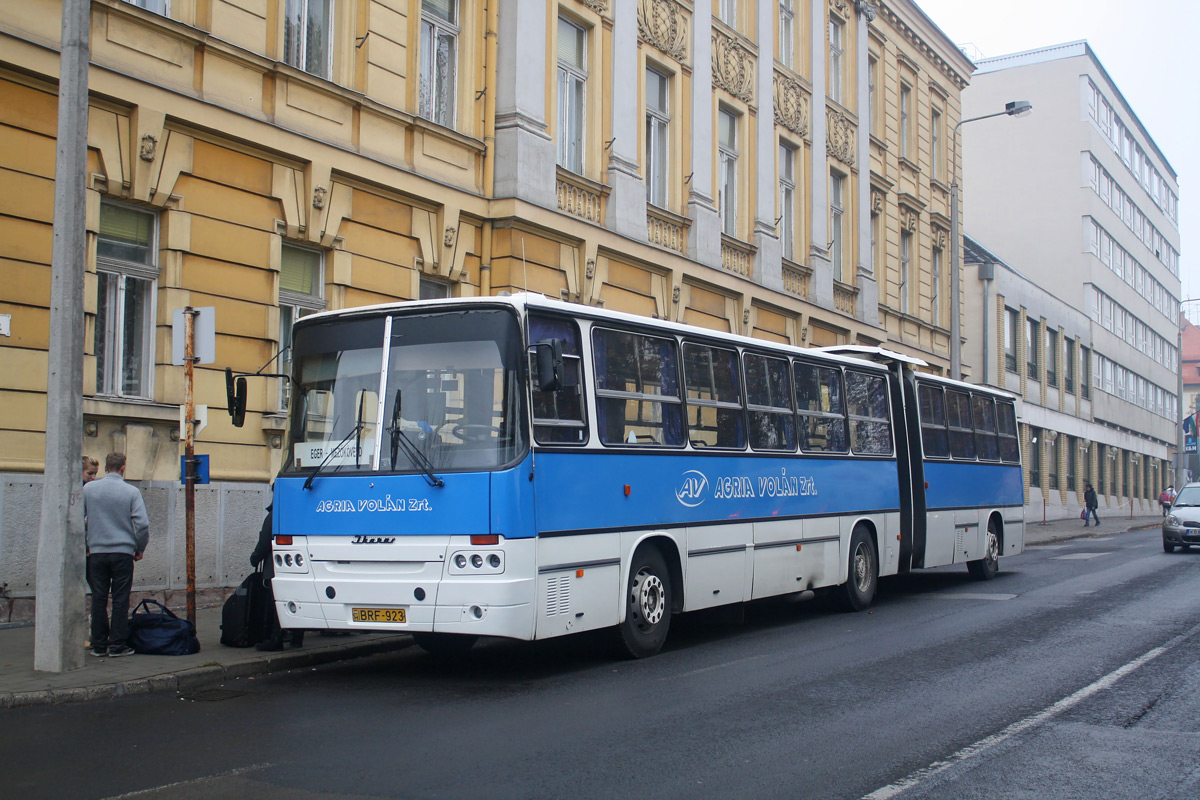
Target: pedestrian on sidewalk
column 1090, row 504
column 1166, row 499
column 118, row 530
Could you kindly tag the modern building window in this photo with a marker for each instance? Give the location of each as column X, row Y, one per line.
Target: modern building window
column 837, row 209
column 1012, row 322
column 162, row 7
column 787, row 200
column 935, row 144
column 301, row 279
column 1072, row 456
column 728, row 176
column 1035, row 457
column 308, row 36
column 439, row 61
column 836, row 58
column 1051, row 357
column 1052, row 463
column 905, row 120
column 935, row 286
column 572, row 83
column 1031, row 348
column 906, row 239
column 1085, row 372
column 658, row 120
column 126, row 277
column 1069, row 366
column 787, row 32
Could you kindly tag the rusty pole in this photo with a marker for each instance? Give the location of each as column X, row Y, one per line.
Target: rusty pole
column 189, row 458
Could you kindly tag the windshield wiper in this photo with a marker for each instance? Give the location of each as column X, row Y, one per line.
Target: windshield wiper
column 400, row 441
column 321, row 466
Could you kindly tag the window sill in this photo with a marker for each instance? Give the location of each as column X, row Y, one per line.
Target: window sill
column 132, row 408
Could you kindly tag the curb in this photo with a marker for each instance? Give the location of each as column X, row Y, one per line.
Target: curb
column 203, row 676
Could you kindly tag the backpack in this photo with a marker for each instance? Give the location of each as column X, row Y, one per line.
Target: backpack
column 161, row 633
column 247, row 614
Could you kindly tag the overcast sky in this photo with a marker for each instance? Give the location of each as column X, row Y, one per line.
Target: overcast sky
column 1149, row 49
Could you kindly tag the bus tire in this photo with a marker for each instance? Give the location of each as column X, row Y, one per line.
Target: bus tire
column 863, row 578
column 444, row 645
column 986, row 568
column 648, row 609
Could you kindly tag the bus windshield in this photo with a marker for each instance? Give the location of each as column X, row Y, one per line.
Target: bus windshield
column 451, row 394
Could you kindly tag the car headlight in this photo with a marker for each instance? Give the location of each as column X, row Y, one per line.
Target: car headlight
column 1173, row 520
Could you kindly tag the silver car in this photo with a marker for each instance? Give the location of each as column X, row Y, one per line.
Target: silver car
column 1181, row 527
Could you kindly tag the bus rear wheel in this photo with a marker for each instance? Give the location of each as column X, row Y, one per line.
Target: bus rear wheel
column 648, row 613
column 986, row 568
column 859, row 589
column 444, row 645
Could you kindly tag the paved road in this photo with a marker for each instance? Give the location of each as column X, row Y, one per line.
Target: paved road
column 1072, row 675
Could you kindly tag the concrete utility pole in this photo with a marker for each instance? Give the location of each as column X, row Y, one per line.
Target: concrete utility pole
column 59, row 632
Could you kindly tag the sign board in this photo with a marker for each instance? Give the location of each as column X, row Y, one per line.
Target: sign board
column 201, row 469
column 201, row 417
column 204, row 336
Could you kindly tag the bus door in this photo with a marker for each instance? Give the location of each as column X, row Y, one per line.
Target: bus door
column 911, row 469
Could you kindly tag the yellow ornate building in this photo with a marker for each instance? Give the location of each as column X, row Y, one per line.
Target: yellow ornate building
column 779, row 168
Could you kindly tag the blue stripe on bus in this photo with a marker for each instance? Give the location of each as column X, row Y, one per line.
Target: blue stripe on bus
column 971, row 485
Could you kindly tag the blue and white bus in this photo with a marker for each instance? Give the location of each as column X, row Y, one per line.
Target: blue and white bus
column 527, row 468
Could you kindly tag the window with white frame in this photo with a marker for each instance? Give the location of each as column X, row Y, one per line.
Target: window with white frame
column 658, row 120
column 935, row 286
column 873, row 94
column 439, row 61
column 935, row 144
column 162, row 7
column 905, row 119
column 1012, row 322
column 836, row 58
column 1051, row 356
column 787, row 200
column 126, row 278
column 728, row 158
column 787, row 32
column 308, row 36
column 837, row 210
column 906, row 239
column 301, row 279
column 572, row 83
column 727, row 12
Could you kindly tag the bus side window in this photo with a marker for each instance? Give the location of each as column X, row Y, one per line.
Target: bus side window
column 769, row 401
column 714, row 397
column 558, row 416
column 983, row 412
column 867, row 404
column 1006, row 414
column 958, row 413
column 821, row 423
column 637, row 389
column 932, row 404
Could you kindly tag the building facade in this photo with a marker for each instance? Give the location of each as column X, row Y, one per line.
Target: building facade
column 1090, row 338
column 770, row 167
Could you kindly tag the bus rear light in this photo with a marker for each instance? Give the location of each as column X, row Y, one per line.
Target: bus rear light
column 283, row 540
column 485, row 539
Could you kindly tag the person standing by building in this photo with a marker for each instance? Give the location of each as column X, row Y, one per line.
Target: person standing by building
column 1090, row 503
column 118, row 530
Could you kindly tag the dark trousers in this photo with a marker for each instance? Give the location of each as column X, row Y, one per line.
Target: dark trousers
column 1091, row 512
column 110, row 574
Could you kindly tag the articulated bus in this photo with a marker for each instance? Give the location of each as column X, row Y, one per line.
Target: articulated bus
column 527, row 468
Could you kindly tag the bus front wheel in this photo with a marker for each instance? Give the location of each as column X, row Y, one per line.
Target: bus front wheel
column 859, row 590
column 986, row 568
column 648, row 611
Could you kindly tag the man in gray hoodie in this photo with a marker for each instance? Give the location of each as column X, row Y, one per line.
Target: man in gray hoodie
column 118, row 530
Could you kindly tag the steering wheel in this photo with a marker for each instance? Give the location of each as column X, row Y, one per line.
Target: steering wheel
column 474, row 433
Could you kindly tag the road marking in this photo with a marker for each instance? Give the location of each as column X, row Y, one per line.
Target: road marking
column 1046, row 547
column 227, row 774
column 978, row 748
column 715, row 666
column 972, row 596
column 1081, row 556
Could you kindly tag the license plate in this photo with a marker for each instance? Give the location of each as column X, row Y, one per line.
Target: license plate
column 377, row 615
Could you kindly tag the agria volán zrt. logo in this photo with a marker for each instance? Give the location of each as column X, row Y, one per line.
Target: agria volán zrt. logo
column 692, row 488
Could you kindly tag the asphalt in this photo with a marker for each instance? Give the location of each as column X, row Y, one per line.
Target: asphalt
column 107, row 678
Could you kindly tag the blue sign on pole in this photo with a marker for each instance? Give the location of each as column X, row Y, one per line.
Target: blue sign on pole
column 201, row 469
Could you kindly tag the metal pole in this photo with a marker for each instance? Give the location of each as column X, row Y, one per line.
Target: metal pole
column 955, row 282
column 59, row 631
column 189, row 458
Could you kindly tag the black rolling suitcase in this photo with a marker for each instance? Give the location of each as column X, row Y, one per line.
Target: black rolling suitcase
column 246, row 616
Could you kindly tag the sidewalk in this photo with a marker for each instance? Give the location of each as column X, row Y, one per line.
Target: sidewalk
column 103, row 678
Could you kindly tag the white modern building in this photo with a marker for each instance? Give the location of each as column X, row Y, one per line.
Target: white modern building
column 1086, row 326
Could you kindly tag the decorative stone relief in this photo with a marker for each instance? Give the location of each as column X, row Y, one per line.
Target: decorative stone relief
column 590, row 269
column 840, row 6
column 908, row 219
column 675, row 295
column 876, row 202
column 791, row 104
column 449, row 236
column 319, row 195
column 866, row 9
column 733, row 66
column 149, row 143
column 662, row 24
column 840, row 136
column 940, row 237
column 599, row 6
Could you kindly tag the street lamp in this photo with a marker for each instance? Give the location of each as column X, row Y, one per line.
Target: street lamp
column 1017, row 108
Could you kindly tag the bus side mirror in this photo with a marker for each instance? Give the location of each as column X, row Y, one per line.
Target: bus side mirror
column 237, row 408
column 549, row 376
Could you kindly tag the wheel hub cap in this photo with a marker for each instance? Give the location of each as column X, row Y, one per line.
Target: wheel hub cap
column 649, row 597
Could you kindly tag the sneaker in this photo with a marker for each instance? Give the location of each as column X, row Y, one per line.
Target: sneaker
column 99, row 652
column 120, row 650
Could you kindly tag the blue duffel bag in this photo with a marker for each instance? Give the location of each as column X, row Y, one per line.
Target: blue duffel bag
column 161, row 633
